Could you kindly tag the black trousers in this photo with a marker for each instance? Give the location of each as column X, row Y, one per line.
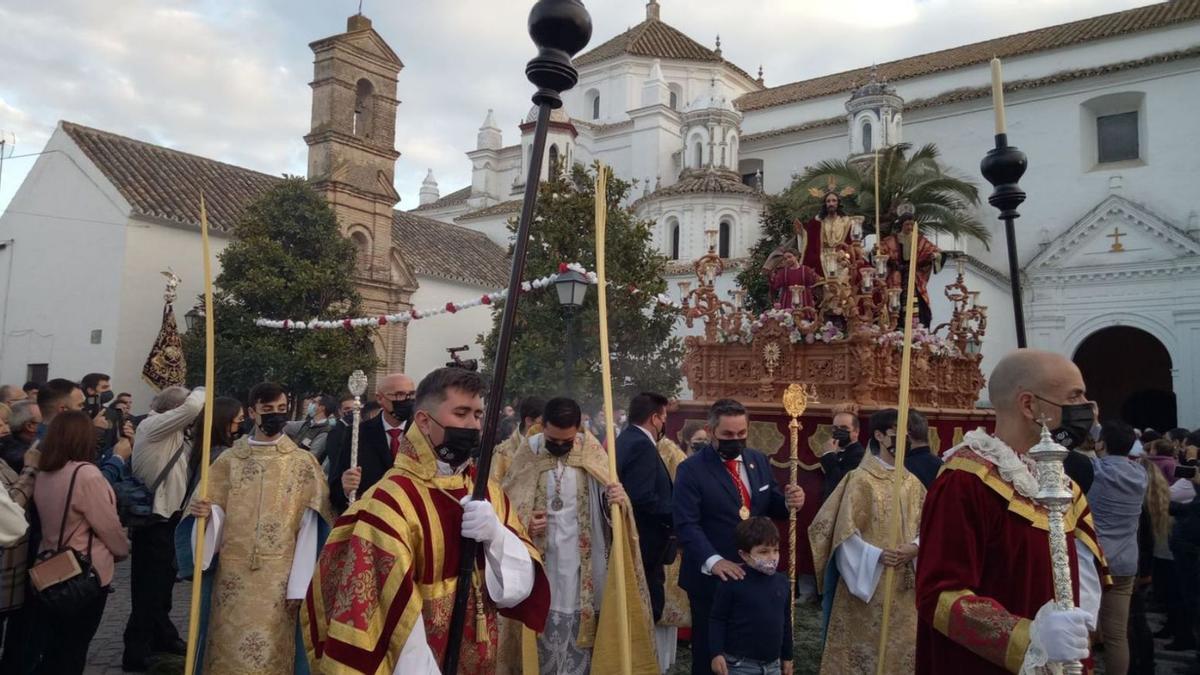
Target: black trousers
column 18, row 651
column 701, row 603
column 73, row 632
column 152, row 581
column 1141, row 640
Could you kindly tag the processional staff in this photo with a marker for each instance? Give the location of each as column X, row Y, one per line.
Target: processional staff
column 559, row 28
column 357, row 385
column 795, row 401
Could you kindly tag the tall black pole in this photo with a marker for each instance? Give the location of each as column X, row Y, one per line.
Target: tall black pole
column 559, row 28
column 1003, row 167
column 572, row 325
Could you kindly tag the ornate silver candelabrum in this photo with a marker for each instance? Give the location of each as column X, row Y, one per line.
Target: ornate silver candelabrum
column 1055, row 495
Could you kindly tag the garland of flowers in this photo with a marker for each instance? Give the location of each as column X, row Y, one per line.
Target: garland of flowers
column 450, row 307
column 803, row 332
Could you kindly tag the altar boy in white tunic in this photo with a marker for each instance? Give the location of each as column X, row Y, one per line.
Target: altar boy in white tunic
column 558, row 483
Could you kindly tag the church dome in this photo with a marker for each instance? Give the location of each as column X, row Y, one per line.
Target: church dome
column 714, row 98
column 556, row 115
column 874, row 87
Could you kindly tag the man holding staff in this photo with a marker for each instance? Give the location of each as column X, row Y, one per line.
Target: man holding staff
column 984, row 582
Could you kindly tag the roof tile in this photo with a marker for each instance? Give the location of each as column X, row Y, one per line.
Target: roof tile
column 656, row 39
column 1042, row 39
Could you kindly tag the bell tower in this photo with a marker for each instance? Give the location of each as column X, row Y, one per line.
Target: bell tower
column 352, row 163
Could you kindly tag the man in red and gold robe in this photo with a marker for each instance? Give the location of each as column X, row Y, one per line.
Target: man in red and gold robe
column 381, row 598
column 792, row 273
column 928, row 259
column 984, row 579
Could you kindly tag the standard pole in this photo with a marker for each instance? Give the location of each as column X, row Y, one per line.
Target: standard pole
column 572, row 327
column 1003, row 167
column 559, row 28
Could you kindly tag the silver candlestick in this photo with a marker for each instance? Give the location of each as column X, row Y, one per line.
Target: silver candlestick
column 357, row 385
column 1056, row 497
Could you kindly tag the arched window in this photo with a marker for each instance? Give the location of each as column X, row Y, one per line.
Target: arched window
column 733, row 152
column 676, row 95
column 868, row 143
column 674, row 101
column 699, row 154
column 724, row 238
column 554, row 161
column 674, row 229
column 363, row 248
column 361, row 125
column 596, row 107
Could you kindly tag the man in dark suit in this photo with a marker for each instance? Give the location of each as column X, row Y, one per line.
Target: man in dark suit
column 378, row 441
column 641, row 470
column 920, row 460
column 715, row 489
column 841, row 453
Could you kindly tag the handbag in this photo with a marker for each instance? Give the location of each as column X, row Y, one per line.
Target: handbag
column 135, row 500
column 64, row 580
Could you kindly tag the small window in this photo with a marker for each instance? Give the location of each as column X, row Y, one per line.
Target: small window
column 1117, row 137
column 37, row 372
column 674, row 101
column 361, row 125
column 596, row 107
column 675, row 241
column 554, row 161
column 868, row 142
column 699, row 154
column 723, row 246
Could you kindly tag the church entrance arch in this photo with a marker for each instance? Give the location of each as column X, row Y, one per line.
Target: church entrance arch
column 1128, row 373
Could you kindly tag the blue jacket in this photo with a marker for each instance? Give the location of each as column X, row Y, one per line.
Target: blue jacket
column 706, row 510
column 1115, row 498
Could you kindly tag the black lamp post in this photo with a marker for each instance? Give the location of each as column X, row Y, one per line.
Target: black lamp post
column 194, row 318
column 572, row 289
column 559, row 28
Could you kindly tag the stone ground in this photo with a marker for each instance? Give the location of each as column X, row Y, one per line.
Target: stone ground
column 104, row 657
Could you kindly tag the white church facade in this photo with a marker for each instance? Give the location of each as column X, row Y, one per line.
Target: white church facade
column 1108, row 239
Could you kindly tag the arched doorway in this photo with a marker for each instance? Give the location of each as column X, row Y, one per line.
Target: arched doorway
column 1128, row 373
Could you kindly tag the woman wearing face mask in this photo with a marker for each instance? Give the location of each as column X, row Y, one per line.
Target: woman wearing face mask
column 226, row 429
column 851, row 547
column 696, row 442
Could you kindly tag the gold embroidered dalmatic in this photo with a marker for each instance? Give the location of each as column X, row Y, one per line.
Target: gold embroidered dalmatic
column 676, row 610
column 862, row 504
column 264, row 491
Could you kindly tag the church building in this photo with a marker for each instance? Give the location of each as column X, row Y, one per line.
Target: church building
column 1108, row 239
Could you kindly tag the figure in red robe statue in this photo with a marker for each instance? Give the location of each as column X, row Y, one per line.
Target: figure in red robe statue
column 830, row 232
column 927, row 256
column 792, row 273
column 984, row 580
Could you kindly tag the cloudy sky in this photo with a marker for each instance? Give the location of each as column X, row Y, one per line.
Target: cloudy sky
column 228, row 78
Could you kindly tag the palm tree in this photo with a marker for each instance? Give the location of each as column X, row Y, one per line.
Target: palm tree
column 944, row 201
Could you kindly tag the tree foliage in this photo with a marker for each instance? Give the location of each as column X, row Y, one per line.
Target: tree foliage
column 645, row 356
column 944, row 201
column 288, row 259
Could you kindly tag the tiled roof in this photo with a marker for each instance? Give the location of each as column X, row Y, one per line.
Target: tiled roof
column 1086, row 30
column 704, row 181
column 795, row 128
column 162, row 183
column 438, row 249
column 453, row 199
column 655, row 39
column 503, row 208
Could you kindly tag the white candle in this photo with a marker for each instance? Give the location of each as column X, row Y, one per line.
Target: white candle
column 998, row 95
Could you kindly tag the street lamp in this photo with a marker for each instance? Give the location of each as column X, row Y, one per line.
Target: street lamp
column 194, row 319
column 572, row 289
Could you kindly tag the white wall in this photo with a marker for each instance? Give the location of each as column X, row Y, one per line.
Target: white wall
column 149, row 249
column 429, row 338
column 68, row 228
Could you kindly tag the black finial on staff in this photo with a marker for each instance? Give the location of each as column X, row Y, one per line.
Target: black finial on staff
column 1003, row 167
column 559, row 28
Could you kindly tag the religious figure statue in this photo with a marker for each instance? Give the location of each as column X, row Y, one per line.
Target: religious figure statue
column 792, row 273
column 927, row 256
column 831, row 232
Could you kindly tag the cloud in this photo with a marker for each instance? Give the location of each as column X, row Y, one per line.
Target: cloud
column 229, row 78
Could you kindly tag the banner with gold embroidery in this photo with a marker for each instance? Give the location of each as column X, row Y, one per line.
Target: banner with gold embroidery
column 166, row 366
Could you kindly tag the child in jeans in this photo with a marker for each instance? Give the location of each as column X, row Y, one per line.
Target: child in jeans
column 750, row 628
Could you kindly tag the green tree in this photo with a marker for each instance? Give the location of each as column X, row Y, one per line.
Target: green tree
column 645, row 356
column 288, row 259
column 945, row 202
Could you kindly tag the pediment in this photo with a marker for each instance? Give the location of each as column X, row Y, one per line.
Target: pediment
column 372, row 43
column 1116, row 232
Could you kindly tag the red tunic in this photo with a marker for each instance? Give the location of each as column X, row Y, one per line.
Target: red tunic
column 782, row 281
column 984, row 569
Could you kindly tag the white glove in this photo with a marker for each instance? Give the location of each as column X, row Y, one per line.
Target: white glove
column 479, row 520
column 1060, row 635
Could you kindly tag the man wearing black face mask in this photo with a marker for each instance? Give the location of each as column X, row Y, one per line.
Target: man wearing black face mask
column 557, row 483
column 1077, row 421
column 378, row 441
column 842, row 453
column 424, row 504
column 715, row 489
